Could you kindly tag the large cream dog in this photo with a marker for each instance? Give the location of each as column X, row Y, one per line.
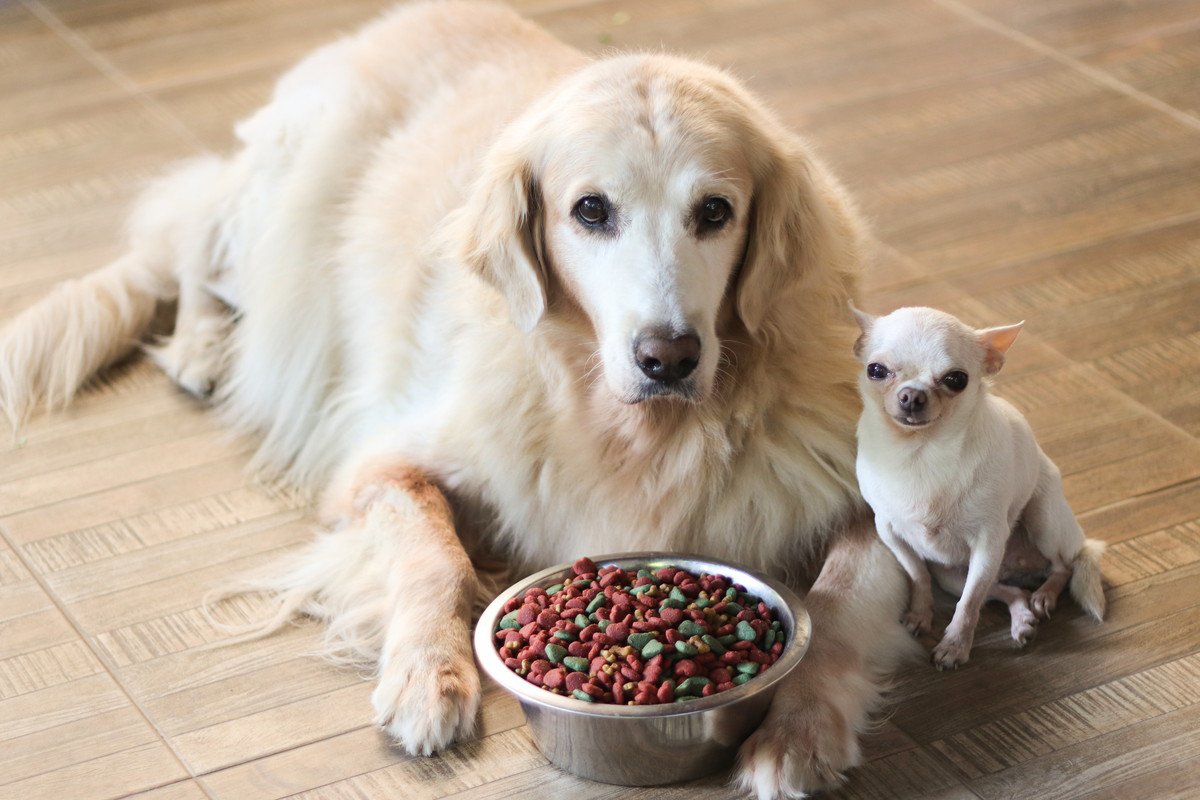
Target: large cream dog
column 501, row 299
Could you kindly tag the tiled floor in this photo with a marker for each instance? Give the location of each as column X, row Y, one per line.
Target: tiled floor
column 1018, row 160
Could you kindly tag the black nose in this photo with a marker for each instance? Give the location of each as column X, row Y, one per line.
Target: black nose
column 912, row 399
column 665, row 358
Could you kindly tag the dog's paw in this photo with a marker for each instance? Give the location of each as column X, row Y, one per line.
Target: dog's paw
column 795, row 755
column 194, row 361
column 1024, row 628
column 951, row 652
column 918, row 622
column 1043, row 603
column 427, row 700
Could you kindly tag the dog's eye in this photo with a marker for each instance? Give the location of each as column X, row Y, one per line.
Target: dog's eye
column 955, row 381
column 713, row 213
column 877, row 372
column 592, row 211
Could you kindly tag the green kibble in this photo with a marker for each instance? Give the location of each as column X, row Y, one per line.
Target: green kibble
column 768, row 639
column 564, row 636
column 597, row 601
column 691, row 628
column 748, row 667
column 727, row 639
column 677, row 594
column 644, row 573
column 555, row 589
column 653, row 648
column 509, row 620
column 582, row 621
column 669, row 603
column 604, row 623
column 703, row 602
column 580, row 694
column 638, row 590
column 731, row 609
column 776, row 625
column 745, row 631
column 555, row 653
column 741, row 678
column 714, row 644
column 685, row 649
column 575, row 663
column 730, row 593
column 687, row 698
column 693, row 685
column 640, row 640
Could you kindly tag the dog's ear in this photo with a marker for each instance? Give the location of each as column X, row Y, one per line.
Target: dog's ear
column 865, row 323
column 801, row 226
column 497, row 232
column 996, row 342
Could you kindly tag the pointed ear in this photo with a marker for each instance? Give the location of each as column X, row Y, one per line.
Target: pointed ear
column 800, row 225
column 996, row 342
column 497, row 233
column 865, row 323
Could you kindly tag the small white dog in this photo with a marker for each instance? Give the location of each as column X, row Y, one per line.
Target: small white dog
column 951, row 471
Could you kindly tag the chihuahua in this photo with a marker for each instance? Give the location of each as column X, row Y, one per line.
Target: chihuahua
column 955, row 478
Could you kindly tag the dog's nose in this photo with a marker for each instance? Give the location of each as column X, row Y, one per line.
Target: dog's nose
column 666, row 358
column 912, row 400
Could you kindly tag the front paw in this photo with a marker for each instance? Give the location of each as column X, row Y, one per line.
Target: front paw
column 918, row 622
column 1043, row 603
column 796, row 754
column 952, row 651
column 427, row 699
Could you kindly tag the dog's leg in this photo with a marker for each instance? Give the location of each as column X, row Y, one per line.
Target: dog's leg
column 194, row 355
column 1046, row 596
column 982, row 571
column 918, row 618
column 810, row 735
column 428, row 692
column 1024, row 623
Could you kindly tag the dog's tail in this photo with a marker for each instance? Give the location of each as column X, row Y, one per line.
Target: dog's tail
column 1086, row 581
column 51, row 349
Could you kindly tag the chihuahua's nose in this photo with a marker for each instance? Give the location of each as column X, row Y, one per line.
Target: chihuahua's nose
column 912, row 400
column 666, row 358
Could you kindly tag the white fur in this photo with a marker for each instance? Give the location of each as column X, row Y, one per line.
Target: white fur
column 949, row 484
column 413, row 301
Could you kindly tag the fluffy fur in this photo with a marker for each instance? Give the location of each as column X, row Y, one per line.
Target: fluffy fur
column 388, row 286
column 951, row 475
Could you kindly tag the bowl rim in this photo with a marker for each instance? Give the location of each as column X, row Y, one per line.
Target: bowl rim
column 794, row 650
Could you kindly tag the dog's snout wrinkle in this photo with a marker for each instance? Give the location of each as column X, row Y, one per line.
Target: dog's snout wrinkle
column 664, row 357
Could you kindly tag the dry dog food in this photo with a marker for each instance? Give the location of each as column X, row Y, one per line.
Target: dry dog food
column 609, row 635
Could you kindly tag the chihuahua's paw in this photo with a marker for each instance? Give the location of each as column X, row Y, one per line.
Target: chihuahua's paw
column 1043, row 603
column 951, row 652
column 1024, row 628
column 918, row 622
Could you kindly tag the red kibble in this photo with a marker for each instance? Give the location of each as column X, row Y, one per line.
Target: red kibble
column 609, row 592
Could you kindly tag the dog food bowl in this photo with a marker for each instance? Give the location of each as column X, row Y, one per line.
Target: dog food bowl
column 653, row 744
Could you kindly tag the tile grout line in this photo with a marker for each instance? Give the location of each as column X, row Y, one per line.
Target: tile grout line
column 109, row 70
column 1097, row 75
column 104, row 660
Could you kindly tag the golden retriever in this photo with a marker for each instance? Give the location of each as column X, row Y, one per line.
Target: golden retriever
column 501, row 299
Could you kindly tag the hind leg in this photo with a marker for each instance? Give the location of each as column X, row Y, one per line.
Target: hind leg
column 194, row 355
column 1053, row 530
column 1024, row 621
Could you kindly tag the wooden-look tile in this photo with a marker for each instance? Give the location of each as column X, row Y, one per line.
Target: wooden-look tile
column 1079, row 26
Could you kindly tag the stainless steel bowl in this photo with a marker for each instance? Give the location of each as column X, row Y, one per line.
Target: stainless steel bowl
column 648, row 745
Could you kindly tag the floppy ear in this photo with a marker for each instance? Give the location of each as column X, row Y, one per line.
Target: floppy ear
column 800, row 226
column 996, row 342
column 865, row 323
column 497, row 232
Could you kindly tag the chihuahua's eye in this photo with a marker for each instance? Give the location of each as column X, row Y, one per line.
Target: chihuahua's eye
column 955, row 381
column 592, row 211
column 877, row 372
